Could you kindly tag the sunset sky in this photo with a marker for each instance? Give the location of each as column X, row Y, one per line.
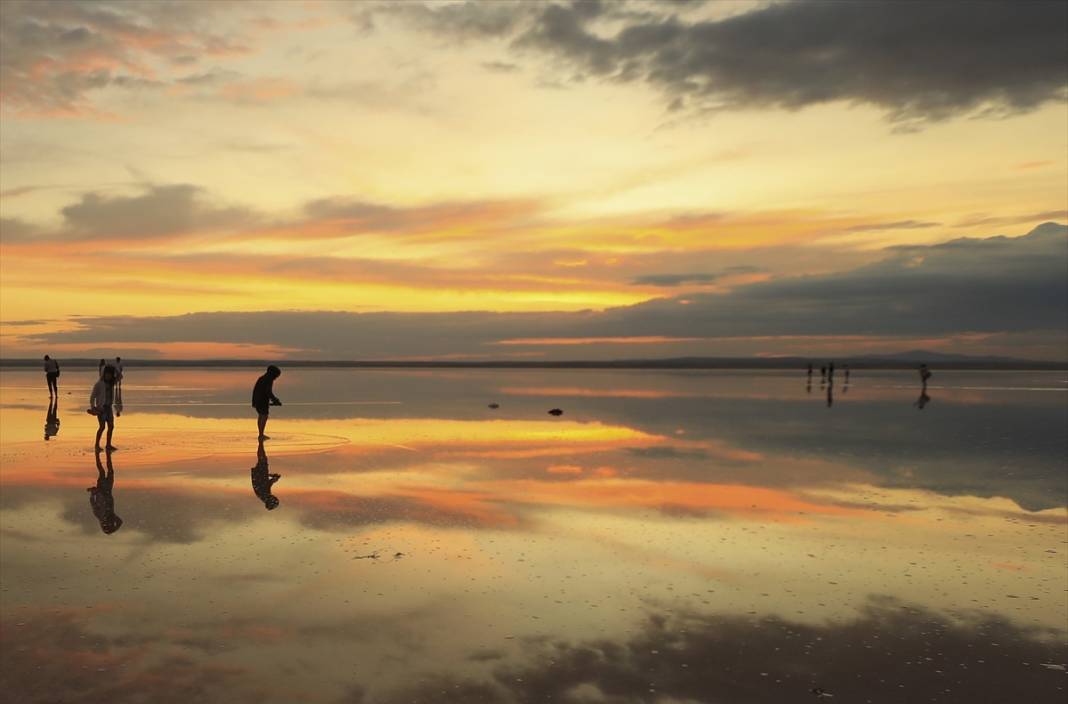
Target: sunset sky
column 494, row 180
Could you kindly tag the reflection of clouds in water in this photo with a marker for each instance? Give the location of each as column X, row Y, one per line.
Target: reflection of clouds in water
column 57, row 654
column 892, row 652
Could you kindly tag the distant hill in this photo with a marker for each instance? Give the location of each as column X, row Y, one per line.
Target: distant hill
column 893, row 360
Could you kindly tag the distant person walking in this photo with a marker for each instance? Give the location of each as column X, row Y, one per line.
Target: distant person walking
column 101, row 499
column 823, row 374
column 101, row 401
column 810, row 371
column 118, row 386
column 263, row 398
column 925, row 374
column 263, row 480
column 51, row 370
column 830, row 371
column 847, row 374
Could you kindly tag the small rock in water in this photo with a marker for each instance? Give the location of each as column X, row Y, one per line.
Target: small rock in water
column 556, row 412
column 495, row 405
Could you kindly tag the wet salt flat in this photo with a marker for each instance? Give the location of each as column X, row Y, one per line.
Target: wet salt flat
column 672, row 537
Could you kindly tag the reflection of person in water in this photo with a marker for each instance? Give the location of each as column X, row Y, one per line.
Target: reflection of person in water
column 100, row 497
column 923, row 399
column 263, row 481
column 51, row 428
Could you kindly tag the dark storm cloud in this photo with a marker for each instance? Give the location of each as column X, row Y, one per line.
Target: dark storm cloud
column 918, row 62
column 997, row 285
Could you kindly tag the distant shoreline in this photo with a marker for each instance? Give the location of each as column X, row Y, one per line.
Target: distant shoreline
column 695, row 363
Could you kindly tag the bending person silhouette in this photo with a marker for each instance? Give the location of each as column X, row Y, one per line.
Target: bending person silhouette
column 51, row 369
column 263, row 398
column 101, row 401
column 51, row 428
column 100, row 497
column 263, row 481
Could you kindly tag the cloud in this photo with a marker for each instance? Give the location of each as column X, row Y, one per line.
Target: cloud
column 997, row 285
column 500, row 66
column 1025, row 218
column 12, row 229
column 159, row 211
column 896, row 225
column 694, row 278
column 917, row 62
column 348, row 216
column 56, row 54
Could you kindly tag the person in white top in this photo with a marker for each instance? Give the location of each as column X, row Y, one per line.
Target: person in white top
column 100, row 405
column 51, row 369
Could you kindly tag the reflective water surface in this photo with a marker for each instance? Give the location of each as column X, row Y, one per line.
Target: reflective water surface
column 672, row 537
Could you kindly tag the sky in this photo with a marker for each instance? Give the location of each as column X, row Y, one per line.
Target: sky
column 495, row 180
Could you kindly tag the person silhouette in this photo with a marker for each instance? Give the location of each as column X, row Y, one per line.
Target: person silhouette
column 101, row 401
column 830, row 394
column 830, row 371
column 846, row 369
column 101, row 499
column 810, row 372
column 51, row 370
column 51, row 428
column 263, row 480
column 118, row 379
column 263, row 398
column 925, row 374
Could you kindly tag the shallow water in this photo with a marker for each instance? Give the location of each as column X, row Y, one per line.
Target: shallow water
column 672, row 537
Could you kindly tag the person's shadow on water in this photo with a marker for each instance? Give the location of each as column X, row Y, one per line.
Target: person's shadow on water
column 51, row 428
column 101, row 499
column 922, row 400
column 263, row 481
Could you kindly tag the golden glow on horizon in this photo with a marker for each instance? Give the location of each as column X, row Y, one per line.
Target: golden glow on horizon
column 345, row 180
